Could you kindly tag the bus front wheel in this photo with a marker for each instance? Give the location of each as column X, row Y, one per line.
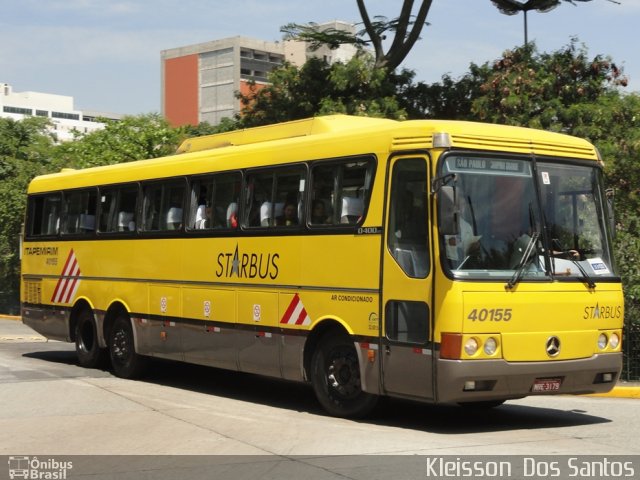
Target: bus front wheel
column 125, row 361
column 335, row 376
column 90, row 355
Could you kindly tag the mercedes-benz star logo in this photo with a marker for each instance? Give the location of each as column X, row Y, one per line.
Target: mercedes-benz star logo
column 553, row 346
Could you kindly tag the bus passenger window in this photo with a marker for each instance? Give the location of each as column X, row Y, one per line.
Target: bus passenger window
column 340, row 191
column 79, row 212
column 213, row 197
column 274, row 198
column 163, row 206
column 44, row 215
column 117, row 209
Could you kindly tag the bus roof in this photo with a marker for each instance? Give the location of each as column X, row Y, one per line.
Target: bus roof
column 296, row 128
column 231, row 149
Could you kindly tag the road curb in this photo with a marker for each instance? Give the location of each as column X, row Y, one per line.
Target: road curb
column 16, row 318
column 620, row 392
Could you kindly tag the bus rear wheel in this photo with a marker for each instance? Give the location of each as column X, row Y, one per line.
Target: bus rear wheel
column 90, row 355
column 125, row 361
column 335, row 376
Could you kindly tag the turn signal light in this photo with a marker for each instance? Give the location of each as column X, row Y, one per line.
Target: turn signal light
column 451, row 346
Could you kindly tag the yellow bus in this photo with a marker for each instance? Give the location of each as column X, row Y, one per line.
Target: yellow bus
column 445, row 262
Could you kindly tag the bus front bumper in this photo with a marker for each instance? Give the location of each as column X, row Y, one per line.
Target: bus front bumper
column 484, row 380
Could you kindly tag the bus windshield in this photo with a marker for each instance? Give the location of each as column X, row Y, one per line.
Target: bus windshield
column 510, row 225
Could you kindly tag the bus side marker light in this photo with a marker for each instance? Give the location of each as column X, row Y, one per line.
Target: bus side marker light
column 451, row 346
column 163, row 336
column 371, row 355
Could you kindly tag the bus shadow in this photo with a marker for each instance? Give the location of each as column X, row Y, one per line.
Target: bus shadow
column 299, row 397
column 453, row 419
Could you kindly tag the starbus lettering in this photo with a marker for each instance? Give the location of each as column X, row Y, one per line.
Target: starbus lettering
column 596, row 312
column 248, row 265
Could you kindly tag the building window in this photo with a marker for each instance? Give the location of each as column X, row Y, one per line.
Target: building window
column 42, row 113
column 21, row 111
column 68, row 116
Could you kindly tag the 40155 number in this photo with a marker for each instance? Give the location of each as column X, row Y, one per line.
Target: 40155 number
column 490, row 315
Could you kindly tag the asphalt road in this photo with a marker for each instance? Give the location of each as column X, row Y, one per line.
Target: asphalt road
column 51, row 406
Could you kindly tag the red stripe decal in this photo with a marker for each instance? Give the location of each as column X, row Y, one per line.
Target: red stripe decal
column 292, row 306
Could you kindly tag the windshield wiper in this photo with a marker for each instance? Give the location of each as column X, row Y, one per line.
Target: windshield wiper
column 524, row 261
column 567, row 255
column 587, row 279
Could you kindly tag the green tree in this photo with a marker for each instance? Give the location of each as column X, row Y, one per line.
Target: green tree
column 316, row 88
column 132, row 138
column 25, row 151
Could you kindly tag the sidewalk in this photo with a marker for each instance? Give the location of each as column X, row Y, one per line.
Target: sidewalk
column 12, row 329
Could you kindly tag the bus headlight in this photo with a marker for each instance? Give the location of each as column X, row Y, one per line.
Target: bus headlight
column 602, row 341
column 490, row 346
column 471, row 346
column 614, row 341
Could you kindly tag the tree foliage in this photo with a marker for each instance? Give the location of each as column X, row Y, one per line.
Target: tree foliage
column 25, row 148
column 317, row 88
column 132, row 138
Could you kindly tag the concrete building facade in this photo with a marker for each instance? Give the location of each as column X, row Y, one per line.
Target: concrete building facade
column 58, row 109
column 200, row 82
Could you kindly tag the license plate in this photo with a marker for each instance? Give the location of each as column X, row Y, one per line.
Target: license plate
column 546, row 384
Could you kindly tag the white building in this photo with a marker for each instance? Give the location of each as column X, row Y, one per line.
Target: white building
column 57, row 108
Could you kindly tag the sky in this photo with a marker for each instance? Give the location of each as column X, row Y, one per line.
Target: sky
column 106, row 53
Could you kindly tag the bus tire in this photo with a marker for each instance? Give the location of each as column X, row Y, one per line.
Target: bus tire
column 125, row 361
column 90, row 355
column 335, row 377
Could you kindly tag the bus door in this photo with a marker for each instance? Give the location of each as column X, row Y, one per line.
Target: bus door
column 407, row 282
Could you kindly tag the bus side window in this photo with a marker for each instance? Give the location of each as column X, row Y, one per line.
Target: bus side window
column 215, row 201
column 118, row 209
column 79, row 212
column 340, row 191
column 163, row 206
column 44, row 215
column 274, row 198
